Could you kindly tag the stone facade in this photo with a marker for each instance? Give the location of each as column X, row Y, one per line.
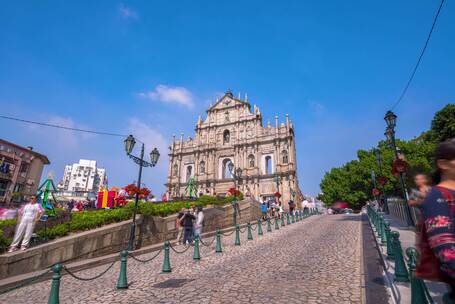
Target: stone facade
column 233, row 132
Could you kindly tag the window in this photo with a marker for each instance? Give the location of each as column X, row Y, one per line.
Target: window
column 268, row 164
column 189, row 172
column 285, row 156
column 226, row 136
column 225, row 168
column 251, row 161
column 24, row 168
column 202, row 167
column 3, row 187
column 175, row 170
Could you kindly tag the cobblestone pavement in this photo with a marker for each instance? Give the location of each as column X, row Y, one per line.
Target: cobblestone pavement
column 314, row 261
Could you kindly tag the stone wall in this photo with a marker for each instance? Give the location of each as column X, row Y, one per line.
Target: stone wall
column 113, row 238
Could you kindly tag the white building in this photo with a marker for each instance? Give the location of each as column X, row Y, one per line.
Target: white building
column 83, row 177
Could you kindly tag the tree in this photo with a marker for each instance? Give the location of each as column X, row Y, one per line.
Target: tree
column 443, row 124
column 353, row 182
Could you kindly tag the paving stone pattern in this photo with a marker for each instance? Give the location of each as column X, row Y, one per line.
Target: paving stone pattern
column 314, row 261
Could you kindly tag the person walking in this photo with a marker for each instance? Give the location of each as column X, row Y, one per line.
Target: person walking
column 291, row 206
column 437, row 244
column 28, row 215
column 179, row 226
column 418, row 194
column 187, row 222
column 199, row 222
column 264, row 209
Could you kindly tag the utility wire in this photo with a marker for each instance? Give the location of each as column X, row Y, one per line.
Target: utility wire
column 420, row 57
column 60, row 127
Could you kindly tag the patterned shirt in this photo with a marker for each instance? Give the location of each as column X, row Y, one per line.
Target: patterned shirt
column 439, row 223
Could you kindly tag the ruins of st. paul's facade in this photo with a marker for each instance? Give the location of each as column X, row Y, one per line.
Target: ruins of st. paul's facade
column 232, row 136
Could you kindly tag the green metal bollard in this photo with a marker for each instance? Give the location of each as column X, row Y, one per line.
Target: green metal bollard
column 54, row 296
column 269, row 226
column 388, row 240
column 301, row 215
column 196, row 255
column 288, row 221
column 401, row 273
column 293, row 218
column 218, row 248
column 122, row 282
column 297, row 216
column 418, row 295
column 282, row 220
column 250, row 233
column 237, row 235
column 260, row 227
column 166, row 262
column 276, row 224
column 382, row 229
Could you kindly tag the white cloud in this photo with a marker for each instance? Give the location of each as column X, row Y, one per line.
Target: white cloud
column 168, row 94
column 316, row 107
column 127, row 12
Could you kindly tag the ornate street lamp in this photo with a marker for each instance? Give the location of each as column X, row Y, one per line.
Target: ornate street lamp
column 237, row 176
column 154, row 157
column 277, row 180
column 391, row 119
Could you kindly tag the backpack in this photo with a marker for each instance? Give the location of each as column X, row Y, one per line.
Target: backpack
column 428, row 265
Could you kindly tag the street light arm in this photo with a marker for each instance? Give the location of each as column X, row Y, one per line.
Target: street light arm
column 140, row 162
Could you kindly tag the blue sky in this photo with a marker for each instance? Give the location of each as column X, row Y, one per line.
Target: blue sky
column 151, row 67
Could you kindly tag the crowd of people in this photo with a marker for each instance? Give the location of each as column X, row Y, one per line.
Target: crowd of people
column 189, row 223
column 271, row 208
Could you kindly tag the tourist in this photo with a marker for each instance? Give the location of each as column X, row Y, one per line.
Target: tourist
column 199, row 222
column 417, row 195
column 438, row 215
column 28, row 215
column 291, row 206
column 187, row 222
column 264, row 209
column 304, row 205
column 179, row 226
column 280, row 209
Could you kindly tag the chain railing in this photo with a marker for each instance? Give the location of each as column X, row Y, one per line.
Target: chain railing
column 122, row 282
column 404, row 270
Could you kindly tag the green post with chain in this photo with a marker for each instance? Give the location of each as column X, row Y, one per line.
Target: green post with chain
column 196, row 255
column 250, row 233
column 237, row 235
column 122, row 282
column 218, row 248
column 401, row 273
column 388, row 240
column 54, row 296
column 269, row 226
column 166, row 261
column 276, row 224
column 418, row 295
column 282, row 220
column 260, row 227
column 293, row 218
column 288, row 221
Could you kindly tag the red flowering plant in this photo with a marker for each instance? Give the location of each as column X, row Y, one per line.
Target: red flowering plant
column 399, row 166
column 382, row 180
column 234, row 192
column 277, row 194
column 376, row 192
column 132, row 189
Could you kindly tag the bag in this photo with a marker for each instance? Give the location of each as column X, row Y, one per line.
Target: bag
column 428, row 265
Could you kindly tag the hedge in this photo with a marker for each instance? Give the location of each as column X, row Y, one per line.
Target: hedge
column 86, row 220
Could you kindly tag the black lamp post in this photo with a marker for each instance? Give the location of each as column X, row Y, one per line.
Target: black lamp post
column 377, row 153
column 154, row 156
column 391, row 119
column 237, row 176
column 277, row 179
